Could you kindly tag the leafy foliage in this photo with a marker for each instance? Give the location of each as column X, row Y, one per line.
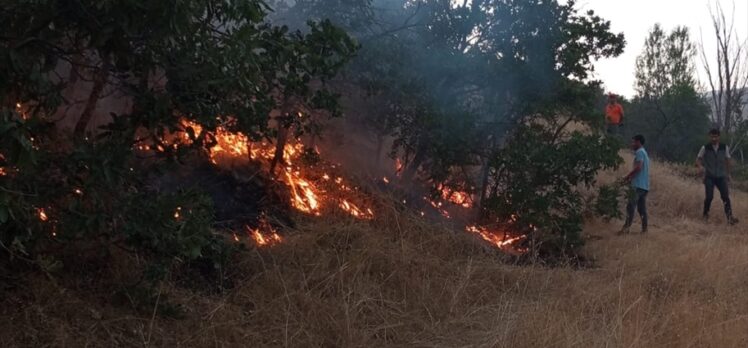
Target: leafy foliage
column 607, row 202
column 448, row 81
column 668, row 109
column 213, row 63
column 535, row 180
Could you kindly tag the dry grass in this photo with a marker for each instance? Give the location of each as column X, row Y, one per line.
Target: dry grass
column 399, row 281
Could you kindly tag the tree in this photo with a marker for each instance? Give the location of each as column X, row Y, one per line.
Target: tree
column 453, row 80
column 666, row 61
column 211, row 63
column 667, row 109
column 728, row 79
column 535, row 180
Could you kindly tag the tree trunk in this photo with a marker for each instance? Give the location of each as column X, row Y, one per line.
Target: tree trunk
column 283, row 131
column 73, row 76
column 410, row 172
column 485, row 170
column 100, row 80
column 280, row 145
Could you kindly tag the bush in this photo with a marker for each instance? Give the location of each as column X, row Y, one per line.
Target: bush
column 535, row 183
column 216, row 63
column 94, row 194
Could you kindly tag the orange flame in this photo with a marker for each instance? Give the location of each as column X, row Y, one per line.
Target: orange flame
column 398, row 166
column 356, row 211
column 42, row 215
column 270, row 238
column 305, row 194
column 460, row 198
column 501, row 240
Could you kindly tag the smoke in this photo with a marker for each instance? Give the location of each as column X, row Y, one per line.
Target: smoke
column 432, row 73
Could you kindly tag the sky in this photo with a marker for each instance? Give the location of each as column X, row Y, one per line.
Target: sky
column 636, row 17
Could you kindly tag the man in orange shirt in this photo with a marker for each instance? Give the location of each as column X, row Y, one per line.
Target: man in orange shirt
column 613, row 115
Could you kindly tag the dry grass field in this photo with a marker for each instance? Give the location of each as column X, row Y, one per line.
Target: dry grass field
column 402, row 282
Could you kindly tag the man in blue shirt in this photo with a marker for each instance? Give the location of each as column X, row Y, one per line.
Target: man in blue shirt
column 639, row 180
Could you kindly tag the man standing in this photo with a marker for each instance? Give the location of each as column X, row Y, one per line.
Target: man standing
column 613, row 115
column 639, row 180
column 713, row 162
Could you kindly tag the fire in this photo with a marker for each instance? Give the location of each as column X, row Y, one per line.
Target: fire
column 460, row 198
column 303, row 196
column 19, row 109
column 356, row 211
column 501, row 240
column 314, row 189
column 306, row 193
column 263, row 239
column 42, row 215
column 439, row 206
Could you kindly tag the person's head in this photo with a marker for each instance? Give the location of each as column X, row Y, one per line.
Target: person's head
column 637, row 142
column 714, row 135
column 612, row 98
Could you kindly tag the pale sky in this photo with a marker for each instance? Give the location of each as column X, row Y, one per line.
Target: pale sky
column 636, row 17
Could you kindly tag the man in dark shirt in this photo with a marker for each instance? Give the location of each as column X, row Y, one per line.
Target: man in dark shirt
column 713, row 162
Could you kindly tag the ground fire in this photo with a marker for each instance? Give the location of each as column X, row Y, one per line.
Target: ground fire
column 317, row 189
column 264, row 234
column 502, row 240
column 313, row 189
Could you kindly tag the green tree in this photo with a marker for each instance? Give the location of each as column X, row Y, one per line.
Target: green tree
column 222, row 63
column 450, row 81
column 667, row 109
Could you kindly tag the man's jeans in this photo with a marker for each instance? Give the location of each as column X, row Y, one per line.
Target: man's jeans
column 637, row 201
column 614, row 130
column 724, row 193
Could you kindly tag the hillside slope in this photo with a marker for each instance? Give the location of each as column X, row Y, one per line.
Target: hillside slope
column 399, row 281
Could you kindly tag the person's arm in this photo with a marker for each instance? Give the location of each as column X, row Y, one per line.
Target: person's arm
column 699, row 158
column 638, row 165
column 637, row 168
column 728, row 163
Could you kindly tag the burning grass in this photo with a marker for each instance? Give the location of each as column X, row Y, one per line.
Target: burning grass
column 399, row 280
column 402, row 281
column 318, row 188
column 311, row 190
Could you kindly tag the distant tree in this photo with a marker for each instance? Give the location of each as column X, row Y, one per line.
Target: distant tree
column 666, row 61
column 729, row 78
column 667, row 108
